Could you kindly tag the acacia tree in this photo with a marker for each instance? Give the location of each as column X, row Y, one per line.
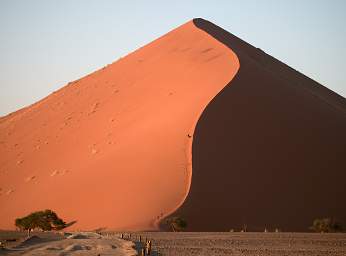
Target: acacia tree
column 45, row 220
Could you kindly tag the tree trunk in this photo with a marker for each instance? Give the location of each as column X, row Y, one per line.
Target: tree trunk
column 173, row 228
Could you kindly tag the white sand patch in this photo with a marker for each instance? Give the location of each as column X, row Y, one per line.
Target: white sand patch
column 81, row 243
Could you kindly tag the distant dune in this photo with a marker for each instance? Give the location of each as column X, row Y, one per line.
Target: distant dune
column 198, row 124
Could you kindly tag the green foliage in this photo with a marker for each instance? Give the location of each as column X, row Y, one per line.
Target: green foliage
column 326, row 225
column 177, row 223
column 45, row 220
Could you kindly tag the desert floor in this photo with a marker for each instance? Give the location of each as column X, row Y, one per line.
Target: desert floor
column 227, row 243
column 183, row 243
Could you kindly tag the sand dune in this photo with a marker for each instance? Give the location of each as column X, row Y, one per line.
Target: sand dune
column 113, row 149
column 116, row 148
column 269, row 150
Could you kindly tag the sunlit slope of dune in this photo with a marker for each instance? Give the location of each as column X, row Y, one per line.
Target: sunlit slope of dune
column 269, row 151
column 113, row 149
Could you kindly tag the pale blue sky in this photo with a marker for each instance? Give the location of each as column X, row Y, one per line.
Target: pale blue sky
column 44, row 43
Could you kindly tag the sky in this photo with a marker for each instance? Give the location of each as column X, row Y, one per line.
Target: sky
column 44, row 44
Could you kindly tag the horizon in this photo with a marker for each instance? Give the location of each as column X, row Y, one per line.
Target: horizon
column 50, row 44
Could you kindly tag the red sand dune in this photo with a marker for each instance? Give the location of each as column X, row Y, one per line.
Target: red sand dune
column 113, row 149
column 116, row 149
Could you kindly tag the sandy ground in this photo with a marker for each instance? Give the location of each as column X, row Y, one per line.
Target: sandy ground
column 81, row 243
column 246, row 244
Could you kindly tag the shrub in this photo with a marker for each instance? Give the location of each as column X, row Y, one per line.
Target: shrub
column 177, row 223
column 326, row 225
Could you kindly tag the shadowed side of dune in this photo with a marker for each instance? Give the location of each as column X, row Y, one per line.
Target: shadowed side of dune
column 269, row 150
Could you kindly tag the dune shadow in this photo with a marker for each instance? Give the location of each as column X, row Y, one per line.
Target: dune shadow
column 268, row 151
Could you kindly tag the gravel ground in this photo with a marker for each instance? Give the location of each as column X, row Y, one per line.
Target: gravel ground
column 269, row 244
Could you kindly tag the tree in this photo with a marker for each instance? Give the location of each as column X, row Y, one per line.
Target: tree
column 326, row 225
column 177, row 223
column 45, row 220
